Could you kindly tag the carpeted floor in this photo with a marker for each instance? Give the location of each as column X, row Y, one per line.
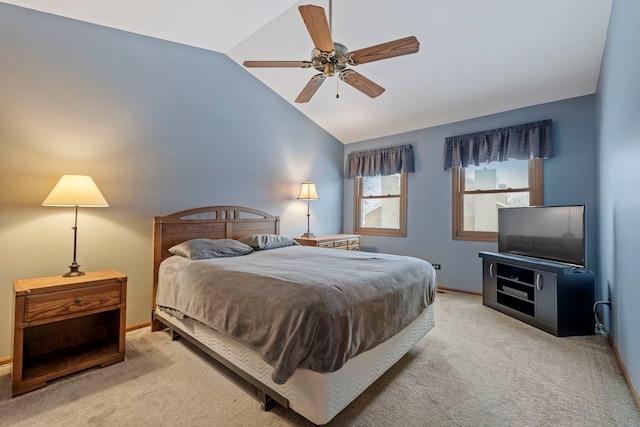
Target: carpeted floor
column 477, row 367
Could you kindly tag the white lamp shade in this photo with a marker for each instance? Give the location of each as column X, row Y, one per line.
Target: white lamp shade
column 308, row 191
column 75, row 190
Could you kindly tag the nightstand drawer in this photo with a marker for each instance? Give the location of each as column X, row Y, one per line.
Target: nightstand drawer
column 54, row 304
column 340, row 244
column 353, row 241
column 325, row 245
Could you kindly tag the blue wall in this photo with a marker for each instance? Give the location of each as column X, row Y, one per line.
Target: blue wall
column 569, row 178
column 160, row 126
column 618, row 142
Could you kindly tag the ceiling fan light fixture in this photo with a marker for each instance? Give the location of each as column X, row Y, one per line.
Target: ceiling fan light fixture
column 329, row 69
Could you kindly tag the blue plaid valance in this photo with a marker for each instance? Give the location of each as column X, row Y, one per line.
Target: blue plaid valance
column 382, row 161
column 521, row 142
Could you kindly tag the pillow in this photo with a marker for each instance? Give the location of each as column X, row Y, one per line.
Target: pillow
column 261, row 242
column 207, row 248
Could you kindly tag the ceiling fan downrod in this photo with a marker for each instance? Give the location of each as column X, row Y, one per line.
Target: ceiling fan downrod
column 331, row 17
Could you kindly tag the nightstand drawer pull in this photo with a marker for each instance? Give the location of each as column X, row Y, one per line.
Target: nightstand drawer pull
column 78, row 300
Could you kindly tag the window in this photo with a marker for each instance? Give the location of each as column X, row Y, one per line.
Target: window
column 381, row 205
column 478, row 192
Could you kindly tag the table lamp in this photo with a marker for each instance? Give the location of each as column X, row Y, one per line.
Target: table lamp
column 308, row 192
column 75, row 191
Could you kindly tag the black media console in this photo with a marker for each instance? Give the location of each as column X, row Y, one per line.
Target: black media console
column 555, row 297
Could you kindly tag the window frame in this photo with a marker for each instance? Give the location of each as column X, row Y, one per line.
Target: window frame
column 535, row 189
column 375, row 231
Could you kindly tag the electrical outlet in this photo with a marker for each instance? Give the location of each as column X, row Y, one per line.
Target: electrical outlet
column 437, row 266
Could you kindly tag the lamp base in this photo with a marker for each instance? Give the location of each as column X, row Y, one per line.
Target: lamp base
column 74, row 270
column 308, row 235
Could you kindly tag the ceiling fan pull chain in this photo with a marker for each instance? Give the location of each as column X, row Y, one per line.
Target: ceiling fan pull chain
column 337, row 94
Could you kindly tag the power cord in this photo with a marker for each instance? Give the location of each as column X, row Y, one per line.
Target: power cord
column 600, row 329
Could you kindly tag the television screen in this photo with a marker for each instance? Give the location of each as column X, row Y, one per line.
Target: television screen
column 554, row 233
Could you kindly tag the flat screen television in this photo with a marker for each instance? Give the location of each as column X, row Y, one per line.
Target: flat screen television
column 554, row 233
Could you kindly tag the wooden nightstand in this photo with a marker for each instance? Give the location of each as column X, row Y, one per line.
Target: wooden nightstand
column 66, row 324
column 350, row 242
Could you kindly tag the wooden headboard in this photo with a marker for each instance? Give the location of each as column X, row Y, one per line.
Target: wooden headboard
column 211, row 222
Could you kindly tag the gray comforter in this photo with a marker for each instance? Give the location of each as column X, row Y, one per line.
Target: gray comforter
column 301, row 306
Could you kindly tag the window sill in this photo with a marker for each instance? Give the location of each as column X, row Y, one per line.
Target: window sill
column 477, row 236
column 381, row 232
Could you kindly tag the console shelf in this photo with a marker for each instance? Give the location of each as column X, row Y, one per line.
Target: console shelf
column 555, row 297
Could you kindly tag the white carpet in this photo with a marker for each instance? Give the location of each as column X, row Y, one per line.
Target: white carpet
column 477, row 367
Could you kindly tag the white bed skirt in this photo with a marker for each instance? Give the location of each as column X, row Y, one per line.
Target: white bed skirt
column 317, row 397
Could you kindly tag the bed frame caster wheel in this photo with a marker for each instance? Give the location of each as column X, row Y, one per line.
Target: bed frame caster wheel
column 174, row 335
column 266, row 403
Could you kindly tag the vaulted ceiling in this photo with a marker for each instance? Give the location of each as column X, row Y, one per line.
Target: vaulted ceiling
column 476, row 57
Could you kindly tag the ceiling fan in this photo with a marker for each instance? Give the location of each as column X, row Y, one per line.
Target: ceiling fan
column 331, row 58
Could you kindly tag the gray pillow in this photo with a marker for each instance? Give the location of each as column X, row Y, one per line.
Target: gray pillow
column 261, row 242
column 207, row 248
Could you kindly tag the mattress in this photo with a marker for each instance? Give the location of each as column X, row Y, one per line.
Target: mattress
column 317, row 397
column 301, row 306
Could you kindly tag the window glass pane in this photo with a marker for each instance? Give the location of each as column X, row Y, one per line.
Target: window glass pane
column 381, row 185
column 481, row 210
column 497, row 175
column 380, row 213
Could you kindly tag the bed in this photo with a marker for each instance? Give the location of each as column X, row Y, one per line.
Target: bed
column 306, row 355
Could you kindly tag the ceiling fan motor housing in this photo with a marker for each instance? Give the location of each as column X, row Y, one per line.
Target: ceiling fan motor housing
column 330, row 63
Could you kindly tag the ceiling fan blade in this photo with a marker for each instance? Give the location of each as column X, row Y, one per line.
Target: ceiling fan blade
column 311, row 88
column 280, row 64
column 361, row 83
column 316, row 21
column 398, row 47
